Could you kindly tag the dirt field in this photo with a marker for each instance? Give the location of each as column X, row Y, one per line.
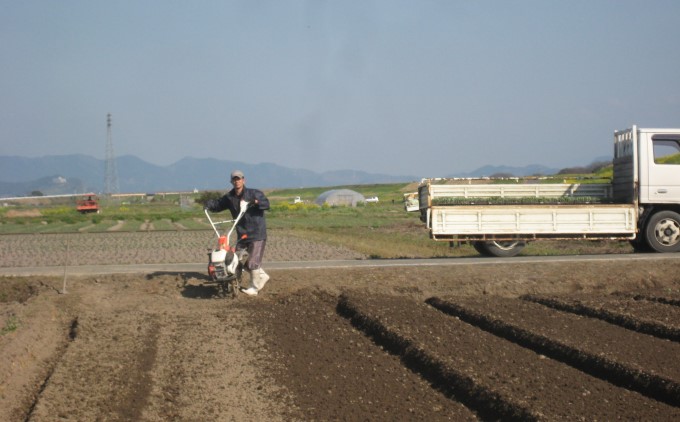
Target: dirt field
column 558, row 341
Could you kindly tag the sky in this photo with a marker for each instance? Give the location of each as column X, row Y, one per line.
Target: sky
column 421, row 87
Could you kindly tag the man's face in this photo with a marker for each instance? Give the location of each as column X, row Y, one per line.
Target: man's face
column 238, row 182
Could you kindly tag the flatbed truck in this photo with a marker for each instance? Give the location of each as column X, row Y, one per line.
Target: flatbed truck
column 640, row 205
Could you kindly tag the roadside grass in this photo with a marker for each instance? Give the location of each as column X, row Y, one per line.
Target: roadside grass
column 384, row 243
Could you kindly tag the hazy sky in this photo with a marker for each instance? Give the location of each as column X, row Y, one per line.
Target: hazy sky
column 417, row 87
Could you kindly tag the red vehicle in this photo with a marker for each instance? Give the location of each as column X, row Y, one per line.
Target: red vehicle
column 88, row 203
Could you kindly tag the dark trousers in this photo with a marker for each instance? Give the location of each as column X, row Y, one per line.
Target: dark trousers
column 255, row 253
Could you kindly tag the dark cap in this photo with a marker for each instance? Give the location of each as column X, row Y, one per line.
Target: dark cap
column 237, row 173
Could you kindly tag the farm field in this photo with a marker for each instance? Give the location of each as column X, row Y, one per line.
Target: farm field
column 521, row 341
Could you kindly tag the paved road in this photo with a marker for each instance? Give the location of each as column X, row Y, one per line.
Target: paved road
column 297, row 265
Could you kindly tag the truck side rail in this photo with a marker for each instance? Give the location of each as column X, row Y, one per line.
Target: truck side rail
column 597, row 190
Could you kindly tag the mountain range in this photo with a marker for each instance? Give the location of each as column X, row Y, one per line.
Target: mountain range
column 77, row 173
column 65, row 174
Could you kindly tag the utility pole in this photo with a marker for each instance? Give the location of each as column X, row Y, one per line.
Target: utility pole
column 110, row 173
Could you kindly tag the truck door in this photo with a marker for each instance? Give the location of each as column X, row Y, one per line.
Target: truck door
column 664, row 169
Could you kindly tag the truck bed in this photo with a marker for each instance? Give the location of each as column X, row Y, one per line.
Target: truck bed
column 524, row 211
column 472, row 222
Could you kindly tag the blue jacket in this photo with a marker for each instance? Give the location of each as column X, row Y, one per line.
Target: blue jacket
column 253, row 223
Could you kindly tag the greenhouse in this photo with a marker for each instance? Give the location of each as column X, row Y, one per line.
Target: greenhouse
column 340, row 197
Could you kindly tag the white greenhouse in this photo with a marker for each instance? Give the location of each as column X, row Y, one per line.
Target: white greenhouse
column 345, row 197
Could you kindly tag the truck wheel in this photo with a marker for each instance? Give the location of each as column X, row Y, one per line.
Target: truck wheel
column 503, row 248
column 481, row 248
column 663, row 232
column 640, row 246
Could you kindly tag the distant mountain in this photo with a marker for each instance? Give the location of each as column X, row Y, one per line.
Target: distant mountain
column 530, row 170
column 77, row 173
column 487, row 171
column 80, row 173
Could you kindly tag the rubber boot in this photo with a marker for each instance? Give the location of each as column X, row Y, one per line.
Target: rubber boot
column 260, row 278
column 251, row 290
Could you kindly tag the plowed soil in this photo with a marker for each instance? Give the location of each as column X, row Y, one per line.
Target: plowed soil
column 590, row 340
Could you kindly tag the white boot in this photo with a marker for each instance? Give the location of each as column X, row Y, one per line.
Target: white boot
column 260, row 278
column 252, row 290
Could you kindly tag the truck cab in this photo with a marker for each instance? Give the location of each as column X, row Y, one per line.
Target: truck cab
column 659, row 170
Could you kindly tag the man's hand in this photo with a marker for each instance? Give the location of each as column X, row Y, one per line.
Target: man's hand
column 209, row 205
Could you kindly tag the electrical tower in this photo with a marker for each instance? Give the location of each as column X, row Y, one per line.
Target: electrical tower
column 110, row 173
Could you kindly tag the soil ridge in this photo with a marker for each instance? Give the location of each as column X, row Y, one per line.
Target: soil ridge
column 599, row 362
column 632, row 320
column 517, row 381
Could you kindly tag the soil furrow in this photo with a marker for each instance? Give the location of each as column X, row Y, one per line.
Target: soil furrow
column 34, row 337
column 334, row 372
column 60, row 350
column 455, row 383
column 659, row 320
column 113, row 351
column 668, row 299
column 601, row 349
column 139, row 379
column 491, row 373
column 201, row 358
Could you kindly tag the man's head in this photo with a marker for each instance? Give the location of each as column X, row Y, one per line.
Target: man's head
column 237, row 173
column 238, row 179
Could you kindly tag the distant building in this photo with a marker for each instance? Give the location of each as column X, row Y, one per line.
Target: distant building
column 336, row 197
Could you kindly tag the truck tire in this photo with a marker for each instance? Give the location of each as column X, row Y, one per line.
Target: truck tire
column 481, row 248
column 640, row 246
column 500, row 248
column 663, row 231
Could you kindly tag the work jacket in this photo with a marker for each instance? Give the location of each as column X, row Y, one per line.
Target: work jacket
column 252, row 224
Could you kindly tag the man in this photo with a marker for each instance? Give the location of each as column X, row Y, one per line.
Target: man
column 251, row 230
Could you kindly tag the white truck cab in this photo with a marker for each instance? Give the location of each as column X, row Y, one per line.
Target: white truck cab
column 659, row 174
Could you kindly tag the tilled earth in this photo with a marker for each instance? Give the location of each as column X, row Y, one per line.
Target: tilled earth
column 547, row 341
